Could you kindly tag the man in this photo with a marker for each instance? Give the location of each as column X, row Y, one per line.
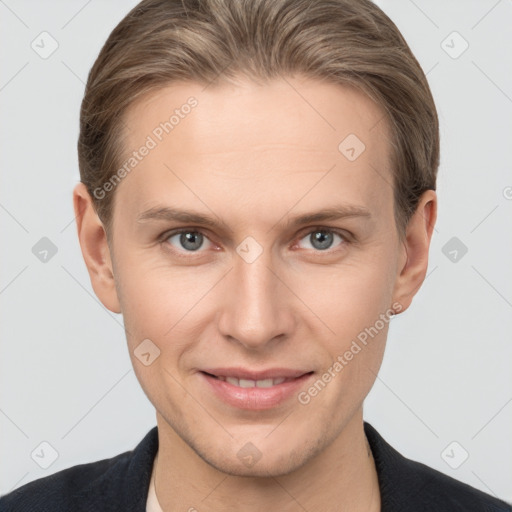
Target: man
column 257, row 193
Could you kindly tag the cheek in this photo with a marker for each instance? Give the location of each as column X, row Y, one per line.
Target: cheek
column 159, row 299
column 158, row 304
column 353, row 300
column 351, row 296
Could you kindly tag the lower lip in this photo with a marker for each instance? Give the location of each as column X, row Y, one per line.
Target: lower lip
column 255, row 399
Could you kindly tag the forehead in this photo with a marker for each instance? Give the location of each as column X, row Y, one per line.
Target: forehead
column 267, row 143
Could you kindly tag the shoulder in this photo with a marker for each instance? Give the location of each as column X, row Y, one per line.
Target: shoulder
column 117, row 483
column 429, row 488
column 409, row 485
column 63, row 489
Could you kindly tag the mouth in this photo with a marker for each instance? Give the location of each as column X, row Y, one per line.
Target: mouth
column 254, row 390
column 250, row 383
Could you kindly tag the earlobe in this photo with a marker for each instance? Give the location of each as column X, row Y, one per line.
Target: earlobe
column 412, row 268
column 95, row 249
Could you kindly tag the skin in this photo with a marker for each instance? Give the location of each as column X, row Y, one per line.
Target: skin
column 254, row 157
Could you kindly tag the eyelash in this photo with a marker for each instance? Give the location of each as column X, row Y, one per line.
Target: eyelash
column 163, row 239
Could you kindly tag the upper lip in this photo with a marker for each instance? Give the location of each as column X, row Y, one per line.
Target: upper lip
column 245, row 373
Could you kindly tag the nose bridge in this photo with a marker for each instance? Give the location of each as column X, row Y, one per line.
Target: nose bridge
column 255, row 310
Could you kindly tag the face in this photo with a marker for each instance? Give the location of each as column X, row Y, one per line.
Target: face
column 256, row 254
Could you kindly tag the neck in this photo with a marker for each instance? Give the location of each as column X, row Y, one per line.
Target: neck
column 342, row 477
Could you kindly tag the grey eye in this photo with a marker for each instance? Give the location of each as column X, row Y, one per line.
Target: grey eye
column 188, row 240
column 321, row 239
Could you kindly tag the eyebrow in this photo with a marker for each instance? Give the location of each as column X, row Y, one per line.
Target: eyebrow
column 188, row 216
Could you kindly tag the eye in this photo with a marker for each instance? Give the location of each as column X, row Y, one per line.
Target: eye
column 321, row 239
column 188, row 240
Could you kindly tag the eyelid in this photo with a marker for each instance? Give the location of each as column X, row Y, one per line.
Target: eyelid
column 346, row 236
column 176, row 231
column 162, row 239
column 311, row 229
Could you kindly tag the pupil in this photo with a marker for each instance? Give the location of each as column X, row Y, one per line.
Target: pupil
column 321, row 239
column 191, row 240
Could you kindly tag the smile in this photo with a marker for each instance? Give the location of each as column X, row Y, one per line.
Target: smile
column 265, row 390
column 248, row 383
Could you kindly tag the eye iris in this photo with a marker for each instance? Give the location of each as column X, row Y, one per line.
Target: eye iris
column 321, row 239
column 191, row 240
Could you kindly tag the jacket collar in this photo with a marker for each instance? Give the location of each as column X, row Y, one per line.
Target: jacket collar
column 404, row 484
column 126, row 481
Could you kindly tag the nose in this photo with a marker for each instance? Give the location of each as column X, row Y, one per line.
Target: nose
column 257, row 308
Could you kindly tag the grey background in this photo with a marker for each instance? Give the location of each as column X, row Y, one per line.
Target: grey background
column 65, row 374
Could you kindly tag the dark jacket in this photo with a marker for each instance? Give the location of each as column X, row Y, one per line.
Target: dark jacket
column 122, row 482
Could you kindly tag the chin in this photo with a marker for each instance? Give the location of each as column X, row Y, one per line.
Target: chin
column 250, row 462
column 261, row 469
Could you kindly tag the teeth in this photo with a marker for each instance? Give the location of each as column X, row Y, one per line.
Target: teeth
column 246, row 383
column 249, row 383
column 265, row 383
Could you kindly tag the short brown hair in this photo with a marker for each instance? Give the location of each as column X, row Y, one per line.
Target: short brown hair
column 348, row 42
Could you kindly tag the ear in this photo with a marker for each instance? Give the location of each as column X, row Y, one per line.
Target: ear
column 414, row 258
column 95, row 249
